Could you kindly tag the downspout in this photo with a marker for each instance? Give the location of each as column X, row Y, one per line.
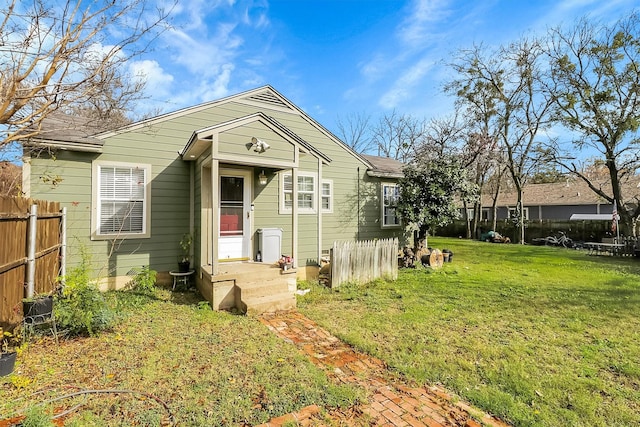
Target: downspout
column 358, row 213
column 192, row 201
column 319, row 207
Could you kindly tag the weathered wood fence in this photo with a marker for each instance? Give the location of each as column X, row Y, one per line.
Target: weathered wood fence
column 364, row 261
column 31, row 248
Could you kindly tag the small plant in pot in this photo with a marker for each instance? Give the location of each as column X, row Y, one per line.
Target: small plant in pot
column 184, row 262
column 39, row 307
column 8, row 354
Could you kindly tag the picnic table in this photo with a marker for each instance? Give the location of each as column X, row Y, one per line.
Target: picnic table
column 598, row 248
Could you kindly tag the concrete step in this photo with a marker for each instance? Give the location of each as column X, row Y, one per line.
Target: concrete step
column 265, row 287
column 270, row 303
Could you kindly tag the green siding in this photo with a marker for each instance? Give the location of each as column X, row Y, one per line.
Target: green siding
column 235, row 141
column 158, row 143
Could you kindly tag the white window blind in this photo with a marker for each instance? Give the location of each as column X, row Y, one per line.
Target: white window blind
column 121, row 198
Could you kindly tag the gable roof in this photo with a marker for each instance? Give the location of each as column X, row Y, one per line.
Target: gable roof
column 384, row 167
column 205, row 134
column 258, row 97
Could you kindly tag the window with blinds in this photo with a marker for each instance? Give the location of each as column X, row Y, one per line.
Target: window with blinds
column 122, row 203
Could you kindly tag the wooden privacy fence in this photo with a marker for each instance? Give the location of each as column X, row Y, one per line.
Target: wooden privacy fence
column 364, row 261
column 31, row 252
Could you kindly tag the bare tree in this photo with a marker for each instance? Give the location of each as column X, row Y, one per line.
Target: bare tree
column 10, row 179
column 70, row 57
column 353, row 130
column 594, row 81
column 396, row 135
column 520, row 110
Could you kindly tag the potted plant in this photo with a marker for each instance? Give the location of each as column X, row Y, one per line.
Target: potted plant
column 8, row 355
column 184, row 262
column 39, row 307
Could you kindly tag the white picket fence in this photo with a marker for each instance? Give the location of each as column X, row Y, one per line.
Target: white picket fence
column 364, row 261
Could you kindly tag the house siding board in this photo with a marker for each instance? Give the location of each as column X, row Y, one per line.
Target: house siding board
column 266, row 199
column 234, row 142
column 154, row 145
column 555, row 212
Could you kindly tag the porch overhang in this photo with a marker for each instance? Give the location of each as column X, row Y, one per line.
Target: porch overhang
column 201, row 140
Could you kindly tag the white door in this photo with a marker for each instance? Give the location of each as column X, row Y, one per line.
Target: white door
column 235, row 215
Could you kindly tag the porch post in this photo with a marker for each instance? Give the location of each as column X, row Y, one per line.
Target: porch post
column 215, row 213
column 294, row 215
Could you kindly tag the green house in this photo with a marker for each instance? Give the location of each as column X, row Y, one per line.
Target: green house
column 223, row 171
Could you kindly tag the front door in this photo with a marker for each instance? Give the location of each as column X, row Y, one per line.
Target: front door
column 235, row 215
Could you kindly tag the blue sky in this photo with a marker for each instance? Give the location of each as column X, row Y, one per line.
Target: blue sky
column 331, row 57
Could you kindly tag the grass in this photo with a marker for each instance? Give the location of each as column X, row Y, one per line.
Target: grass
column 209, row 368
column 537, row 336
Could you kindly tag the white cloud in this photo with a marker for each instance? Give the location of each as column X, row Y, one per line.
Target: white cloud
column 220, row 86
column 418, row 25
column 158, row 82
column 404, row 87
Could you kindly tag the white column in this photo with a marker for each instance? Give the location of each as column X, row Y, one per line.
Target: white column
column 319, row 207
column 294, row 216
column 215, row 220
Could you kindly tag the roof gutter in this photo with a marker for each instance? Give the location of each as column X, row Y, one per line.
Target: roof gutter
column 67, row 145
column 382, row 174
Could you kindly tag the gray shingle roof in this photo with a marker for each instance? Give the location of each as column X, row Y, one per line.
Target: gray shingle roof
column 384, row 167
column 570, row 192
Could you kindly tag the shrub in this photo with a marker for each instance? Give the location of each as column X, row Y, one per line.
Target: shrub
column 144, row 281
column 81, row 309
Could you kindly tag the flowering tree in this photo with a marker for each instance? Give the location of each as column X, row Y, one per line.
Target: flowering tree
column 428, row 194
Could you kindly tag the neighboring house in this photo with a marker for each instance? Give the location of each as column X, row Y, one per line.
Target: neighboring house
column 554, row 201
column 224, row 171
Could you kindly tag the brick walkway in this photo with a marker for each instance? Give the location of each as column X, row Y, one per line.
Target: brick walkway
column 391, row 404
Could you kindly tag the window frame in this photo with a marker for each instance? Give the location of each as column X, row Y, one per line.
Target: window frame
column 282, row 209
column 328, row 182
column 97, row 167
column 384, row 206
column 525, row 211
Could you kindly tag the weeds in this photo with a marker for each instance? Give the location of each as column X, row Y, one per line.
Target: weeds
column 81, row 309
column 211, row 368
column 144, row 280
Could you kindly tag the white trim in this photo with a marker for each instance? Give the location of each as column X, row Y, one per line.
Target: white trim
column 322, row 196
column 282, row 209
column 524, row 210
column 384, row 184
column 247, row 226
column 95, row 200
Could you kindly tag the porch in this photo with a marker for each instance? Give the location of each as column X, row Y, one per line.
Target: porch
column 249, row 287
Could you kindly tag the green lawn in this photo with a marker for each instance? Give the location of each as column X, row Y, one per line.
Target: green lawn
column 209, row 368
column 537, row 336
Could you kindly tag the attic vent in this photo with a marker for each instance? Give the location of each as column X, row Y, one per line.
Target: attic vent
column 267, row 97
